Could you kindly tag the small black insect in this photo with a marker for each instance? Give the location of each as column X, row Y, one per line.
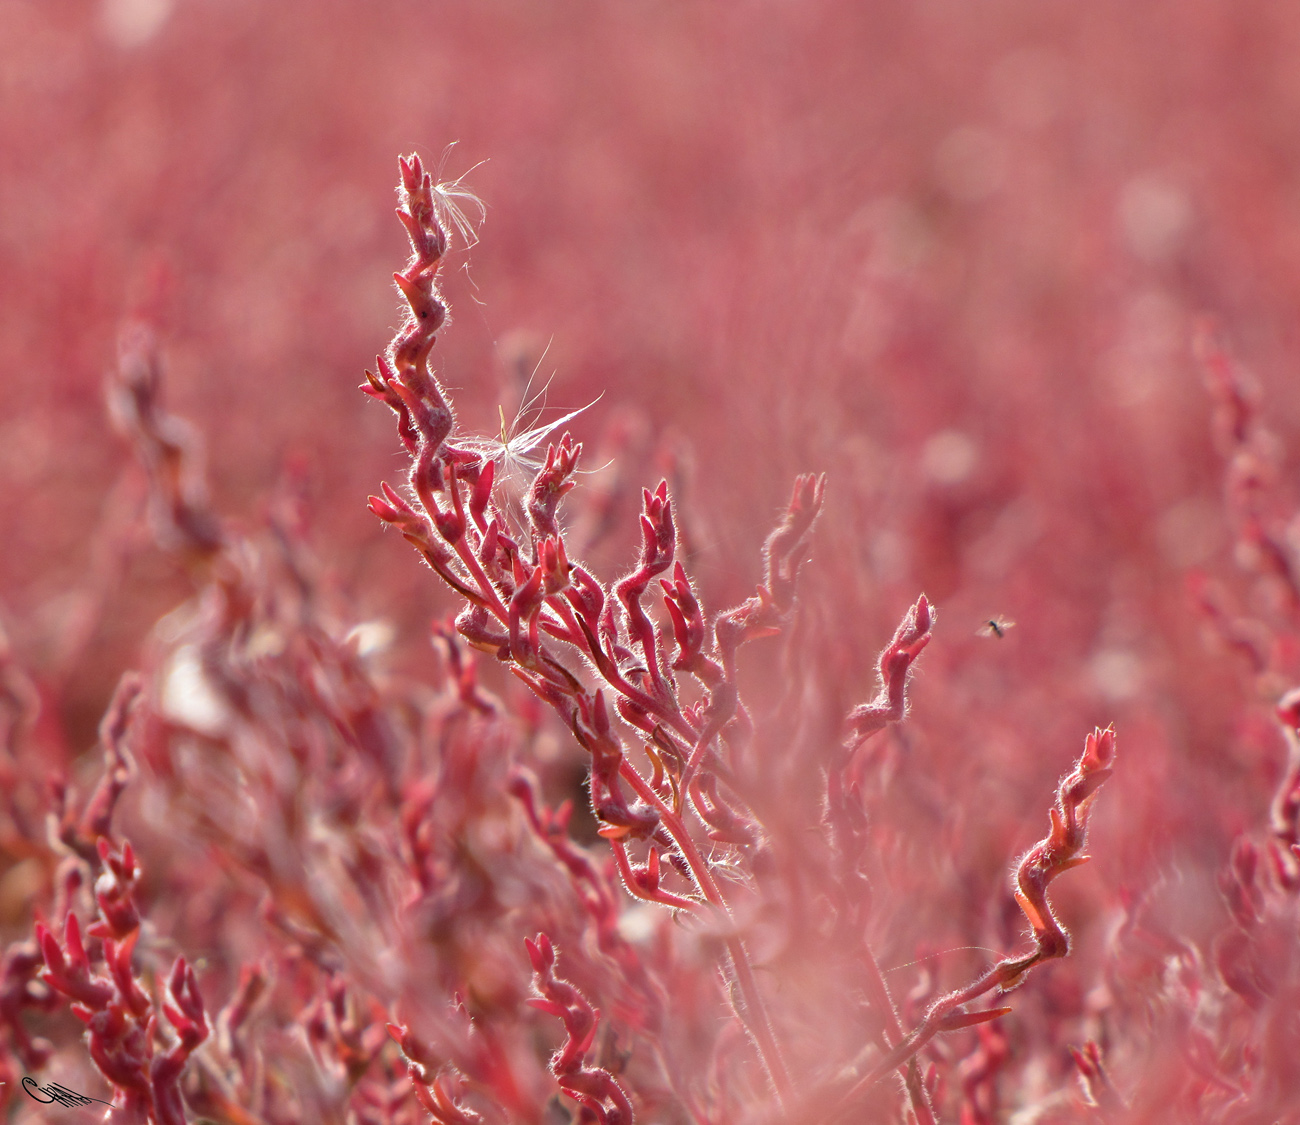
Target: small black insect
column 995, row 627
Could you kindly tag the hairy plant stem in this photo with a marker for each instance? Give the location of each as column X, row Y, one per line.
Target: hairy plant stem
column 879, row 993
column 756, row 1020
column 907, row 1048
column 755, row 1016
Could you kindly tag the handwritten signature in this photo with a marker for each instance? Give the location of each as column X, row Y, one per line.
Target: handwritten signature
column 57, row 1094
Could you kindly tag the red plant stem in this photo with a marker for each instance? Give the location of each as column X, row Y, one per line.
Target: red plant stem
column 613, row 677
column 879, row 993
column 1055, row 853
column 664, row 898
column 477, row 572
column 697, row 757
column 645, row 701
column 566, row 627
column 928, row 1029
column 757, row 1022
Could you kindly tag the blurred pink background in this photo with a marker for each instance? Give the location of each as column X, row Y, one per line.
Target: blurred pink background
column 950, row 254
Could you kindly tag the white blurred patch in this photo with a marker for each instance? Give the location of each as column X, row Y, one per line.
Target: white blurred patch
column 188, row 698
column 971, row 163
column 638, row 923
column 1116, row 673
column 1154, row 215
column 949, row 457
column 131, row 23
column 371, row 637
column 266, row 640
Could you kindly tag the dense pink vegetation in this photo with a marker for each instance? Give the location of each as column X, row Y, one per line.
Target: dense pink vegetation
column 1005, row 293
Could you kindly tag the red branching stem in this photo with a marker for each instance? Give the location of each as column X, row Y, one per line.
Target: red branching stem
column 82, row 833
column 20, row 989
column 1252, row 467
column 593, row 1087
column 890, row 705
column 756, row 1021
column 787, row 547
column 761, row 615
column 980, row 1073
column 167, row 447
column 120, row 1015
column 432, row 1090
column 608, row 668
column 642, row 881
column 522, row 596
column 895, row 666
column 550, row 486
column 1055, row 853
column 488, row 592
column 184, row 1011
column 69, row 972
column 659, row 544
column 878, row 993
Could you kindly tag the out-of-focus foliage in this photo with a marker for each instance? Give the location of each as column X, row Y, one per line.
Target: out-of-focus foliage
column 952, row 255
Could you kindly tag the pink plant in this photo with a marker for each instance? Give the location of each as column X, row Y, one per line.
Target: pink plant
column 355, row 833
column 953, row 259
column 123, row 1020
column 522, row 592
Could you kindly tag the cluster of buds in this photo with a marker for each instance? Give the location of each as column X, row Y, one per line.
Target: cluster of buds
column 97, row 973
column 123, row 1025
